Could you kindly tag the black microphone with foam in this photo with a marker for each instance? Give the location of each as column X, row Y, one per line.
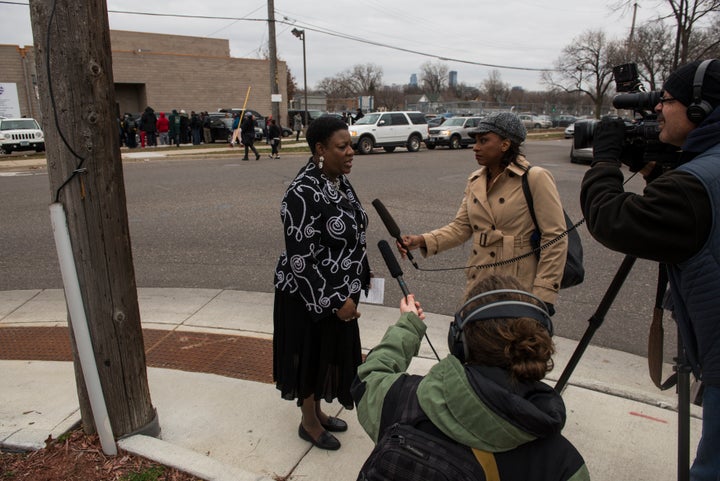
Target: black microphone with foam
column 395, row 271
column 392, row 227
column 393, row 266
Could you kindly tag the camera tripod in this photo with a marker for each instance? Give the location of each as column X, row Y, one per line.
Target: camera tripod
column 682, row 369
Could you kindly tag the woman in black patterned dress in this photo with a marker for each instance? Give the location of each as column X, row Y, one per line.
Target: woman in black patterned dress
column 318, row 279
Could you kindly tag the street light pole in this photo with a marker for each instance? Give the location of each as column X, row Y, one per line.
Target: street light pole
column 301, row 35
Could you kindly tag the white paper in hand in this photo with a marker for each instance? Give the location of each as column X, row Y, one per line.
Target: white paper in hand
column 376, row 294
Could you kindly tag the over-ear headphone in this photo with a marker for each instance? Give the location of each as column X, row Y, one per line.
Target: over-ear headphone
column 699, row 108
column 500, row 304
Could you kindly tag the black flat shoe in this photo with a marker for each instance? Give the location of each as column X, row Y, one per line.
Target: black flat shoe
column 335, row 425
column 325, row 441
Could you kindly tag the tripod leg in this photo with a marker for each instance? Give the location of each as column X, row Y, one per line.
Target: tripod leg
column 596, row 319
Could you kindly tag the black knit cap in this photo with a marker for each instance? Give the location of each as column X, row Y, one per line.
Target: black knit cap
column 680, row 83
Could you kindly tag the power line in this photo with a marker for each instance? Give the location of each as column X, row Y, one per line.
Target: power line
column 328, row 32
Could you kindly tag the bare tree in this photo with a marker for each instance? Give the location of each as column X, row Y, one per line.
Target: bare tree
column 464, row 91
column 389, row 98
column 334, row 87
column 706, row 42
column 364, row 79
column 494, row 88
column 652, row 52
column 687, row 15
column 361, row 80
column 586, row 66
column 434, row 76
column 291, row 84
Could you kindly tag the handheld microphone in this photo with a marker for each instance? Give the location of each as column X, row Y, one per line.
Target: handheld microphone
column 392, row 228
column 393, row 266
column 395, row 271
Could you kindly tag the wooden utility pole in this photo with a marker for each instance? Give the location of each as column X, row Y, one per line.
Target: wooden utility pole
column 74, row 66
column 272, row 51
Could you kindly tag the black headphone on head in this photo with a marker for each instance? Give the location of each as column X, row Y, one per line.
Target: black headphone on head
column 699, row 109
column 496, row 308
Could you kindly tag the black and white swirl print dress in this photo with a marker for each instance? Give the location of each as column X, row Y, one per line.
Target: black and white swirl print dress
column 324, row 263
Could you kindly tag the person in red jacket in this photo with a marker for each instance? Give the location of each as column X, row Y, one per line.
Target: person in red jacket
column 163, row 126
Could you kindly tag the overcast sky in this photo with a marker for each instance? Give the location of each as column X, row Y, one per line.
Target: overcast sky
column 517, row 33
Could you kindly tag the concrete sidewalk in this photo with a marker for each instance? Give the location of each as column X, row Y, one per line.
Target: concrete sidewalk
column 139, row 154
column 222, row 428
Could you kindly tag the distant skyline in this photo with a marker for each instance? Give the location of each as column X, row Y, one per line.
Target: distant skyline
column 523, row 34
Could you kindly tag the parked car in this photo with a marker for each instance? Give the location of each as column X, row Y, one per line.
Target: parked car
column 20, row 134
column 221, row 127
column 563, row 120
column 389, row 130
column 436, row 121
column 569, row 131
column 453, row 133
column 544, row 120
column 534, row 121
column 579, row 155
column 286, row 132
column 312, row 115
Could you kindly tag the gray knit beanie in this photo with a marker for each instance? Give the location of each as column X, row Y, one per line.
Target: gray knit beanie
column 506, row 124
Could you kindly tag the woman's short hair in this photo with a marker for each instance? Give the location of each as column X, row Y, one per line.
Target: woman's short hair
column 522, row 346
column 322, row 128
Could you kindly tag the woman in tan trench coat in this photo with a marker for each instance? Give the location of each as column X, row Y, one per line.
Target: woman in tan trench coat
column 495, row 215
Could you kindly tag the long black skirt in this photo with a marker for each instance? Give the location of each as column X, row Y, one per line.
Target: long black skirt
column 313, row 357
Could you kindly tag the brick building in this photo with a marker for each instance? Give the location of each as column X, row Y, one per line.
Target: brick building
column 165, row 72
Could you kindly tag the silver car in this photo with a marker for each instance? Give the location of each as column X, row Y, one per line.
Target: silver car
column 453, row 133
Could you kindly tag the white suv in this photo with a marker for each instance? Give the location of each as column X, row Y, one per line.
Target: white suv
column 389, row 130
column 453, row 133
column 20, row 134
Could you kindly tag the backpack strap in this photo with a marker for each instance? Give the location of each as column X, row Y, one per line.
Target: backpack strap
column 528, row 197
column 488, row 463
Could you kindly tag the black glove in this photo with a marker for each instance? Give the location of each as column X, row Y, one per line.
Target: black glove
column 550, row 309
column 609, row 139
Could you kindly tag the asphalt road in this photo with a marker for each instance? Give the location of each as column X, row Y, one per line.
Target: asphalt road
column 215, row 223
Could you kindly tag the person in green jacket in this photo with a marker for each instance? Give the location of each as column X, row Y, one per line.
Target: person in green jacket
column 487, row 395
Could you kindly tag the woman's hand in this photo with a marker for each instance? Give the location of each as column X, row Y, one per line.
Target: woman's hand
column 410, row 242
column 348, row 311
column 409, row 304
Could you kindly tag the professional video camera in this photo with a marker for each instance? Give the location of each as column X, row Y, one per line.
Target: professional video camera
column 642, row 143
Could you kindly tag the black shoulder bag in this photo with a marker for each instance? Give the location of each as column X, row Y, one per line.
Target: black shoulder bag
column 574, row 272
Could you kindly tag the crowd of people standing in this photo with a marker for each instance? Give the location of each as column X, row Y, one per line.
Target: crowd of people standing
column 151, row 129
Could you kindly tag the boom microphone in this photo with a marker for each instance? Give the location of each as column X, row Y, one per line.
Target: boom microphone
column 392, row 228
column 393, row 266
column 395, row 271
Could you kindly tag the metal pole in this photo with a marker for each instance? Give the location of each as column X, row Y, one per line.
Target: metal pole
column 301, row 35
column 305, row 78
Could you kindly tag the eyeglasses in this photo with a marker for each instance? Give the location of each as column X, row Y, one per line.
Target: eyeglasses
column 662, row 100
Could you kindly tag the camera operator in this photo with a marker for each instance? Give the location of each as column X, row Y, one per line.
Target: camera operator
column 675, row 221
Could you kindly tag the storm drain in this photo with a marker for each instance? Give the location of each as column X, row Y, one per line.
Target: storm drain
column 237, row 357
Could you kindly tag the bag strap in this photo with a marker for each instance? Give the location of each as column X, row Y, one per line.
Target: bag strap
column 488, row 463
column 528, row 197
column 656, row 335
